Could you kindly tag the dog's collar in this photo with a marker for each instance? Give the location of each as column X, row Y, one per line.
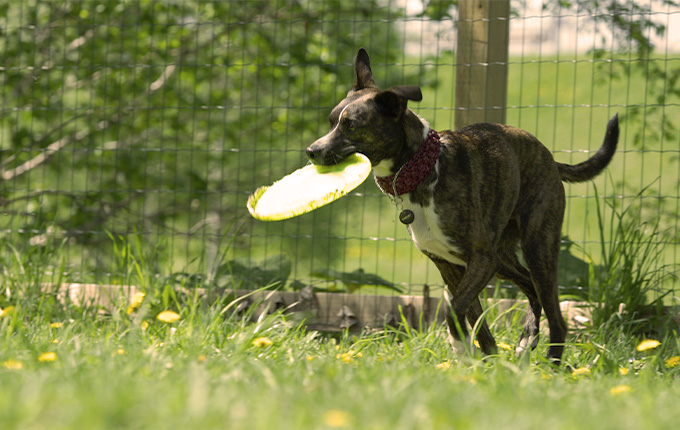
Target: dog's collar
column 411, row 174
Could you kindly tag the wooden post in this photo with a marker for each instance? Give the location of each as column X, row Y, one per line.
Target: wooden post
column 481, row 61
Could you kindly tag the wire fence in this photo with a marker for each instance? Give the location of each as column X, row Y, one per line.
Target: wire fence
column 134, row 131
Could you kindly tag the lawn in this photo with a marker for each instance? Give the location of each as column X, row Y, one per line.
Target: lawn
column 65, row 368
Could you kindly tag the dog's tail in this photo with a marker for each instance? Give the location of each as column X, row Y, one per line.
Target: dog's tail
column 595, row 164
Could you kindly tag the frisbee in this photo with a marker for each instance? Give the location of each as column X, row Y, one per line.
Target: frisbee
column 308, row 188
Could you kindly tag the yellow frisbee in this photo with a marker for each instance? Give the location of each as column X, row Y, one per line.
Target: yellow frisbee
column 308, row 188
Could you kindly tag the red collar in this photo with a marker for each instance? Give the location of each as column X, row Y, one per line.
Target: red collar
column 411, row 174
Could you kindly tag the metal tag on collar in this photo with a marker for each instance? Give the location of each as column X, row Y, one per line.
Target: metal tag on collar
column 406, row 217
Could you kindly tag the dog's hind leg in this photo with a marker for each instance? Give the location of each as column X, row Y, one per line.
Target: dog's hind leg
column 452, row 275
column 513, row 271
column 540, row 244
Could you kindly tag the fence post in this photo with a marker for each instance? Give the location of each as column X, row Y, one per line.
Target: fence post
column 481, row 61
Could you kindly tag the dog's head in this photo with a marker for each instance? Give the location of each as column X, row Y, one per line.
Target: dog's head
column 368, row 121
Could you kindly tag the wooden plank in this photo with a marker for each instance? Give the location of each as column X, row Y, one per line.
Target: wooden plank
column 481, row 61
column 321, row 311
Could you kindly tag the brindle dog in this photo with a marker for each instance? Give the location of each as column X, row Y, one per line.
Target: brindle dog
column 471, row 199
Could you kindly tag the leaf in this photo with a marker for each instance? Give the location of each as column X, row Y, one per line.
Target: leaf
column 355, row 279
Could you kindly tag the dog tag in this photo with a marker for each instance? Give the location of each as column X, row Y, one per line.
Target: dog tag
column 406, row 216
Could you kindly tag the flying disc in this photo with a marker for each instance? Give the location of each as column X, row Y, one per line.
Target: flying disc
column 308, row 188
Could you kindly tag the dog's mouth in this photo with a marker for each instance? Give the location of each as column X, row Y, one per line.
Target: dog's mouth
column 328, row 157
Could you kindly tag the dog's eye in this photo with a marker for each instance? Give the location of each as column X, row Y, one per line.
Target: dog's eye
column 348, row 124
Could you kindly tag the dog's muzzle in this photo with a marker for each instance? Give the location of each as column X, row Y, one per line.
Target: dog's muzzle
column 323, row 153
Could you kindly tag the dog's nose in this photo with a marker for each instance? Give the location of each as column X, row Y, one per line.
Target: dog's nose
column 311, row 153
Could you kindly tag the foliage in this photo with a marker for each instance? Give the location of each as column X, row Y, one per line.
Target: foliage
column 160, row 115
column 631, row 26
column 631, row 273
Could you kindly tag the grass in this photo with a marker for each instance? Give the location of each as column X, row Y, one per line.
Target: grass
column 211, row 369
column 172, row 359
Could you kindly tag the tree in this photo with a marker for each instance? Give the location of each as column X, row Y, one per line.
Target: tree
column 159, row 116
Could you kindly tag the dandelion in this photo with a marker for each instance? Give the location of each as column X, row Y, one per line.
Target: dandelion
column 672, row 362
column 619, row 389
column 581, row 371
column 505, row 346
column 56, row 325
column 335, row 418
column 7, row 311
column 345, row 357
column 349, row 356
column 469, row 379
column 648, row 344
column 47, row 357
column 443, row 366
column 262, row 342
column 168, row 317
column 623, row 371
column 135, row 302
column 12, row 364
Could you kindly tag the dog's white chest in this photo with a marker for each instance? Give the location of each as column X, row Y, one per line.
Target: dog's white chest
column 428, row 237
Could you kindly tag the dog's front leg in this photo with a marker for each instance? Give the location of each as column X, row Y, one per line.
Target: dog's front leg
column 479, row 271
column 452, row 275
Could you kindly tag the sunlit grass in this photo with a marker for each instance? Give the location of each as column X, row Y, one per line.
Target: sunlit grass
column 67, row 367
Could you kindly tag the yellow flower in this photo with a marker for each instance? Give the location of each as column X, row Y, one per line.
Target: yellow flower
column 56, row 325
column 619, row 389
column 201, row 358
column 476, row 342
column 349, row 356
column 144, row 325
column 470, row 379
column 121, row 351
column 135, row 302
column 623, row 371
column 672, row 362
column 505, row 346
column 263, row 342
column 345, row 357
column 310, row 358
column 168, row 317
column 443, row 366
column 7, row 311
column 335, row 418
column 12, row 364
column 648, row 344
column 581, row 371
column 47, row 357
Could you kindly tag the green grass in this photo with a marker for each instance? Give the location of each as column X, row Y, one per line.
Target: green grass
column 64, row 366
column 205, row 371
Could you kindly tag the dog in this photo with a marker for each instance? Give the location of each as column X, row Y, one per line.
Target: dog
column 471, row 199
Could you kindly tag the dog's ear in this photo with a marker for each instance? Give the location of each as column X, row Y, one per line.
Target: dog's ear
column 409, row 92
column 392, row 102
column 363, row 76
